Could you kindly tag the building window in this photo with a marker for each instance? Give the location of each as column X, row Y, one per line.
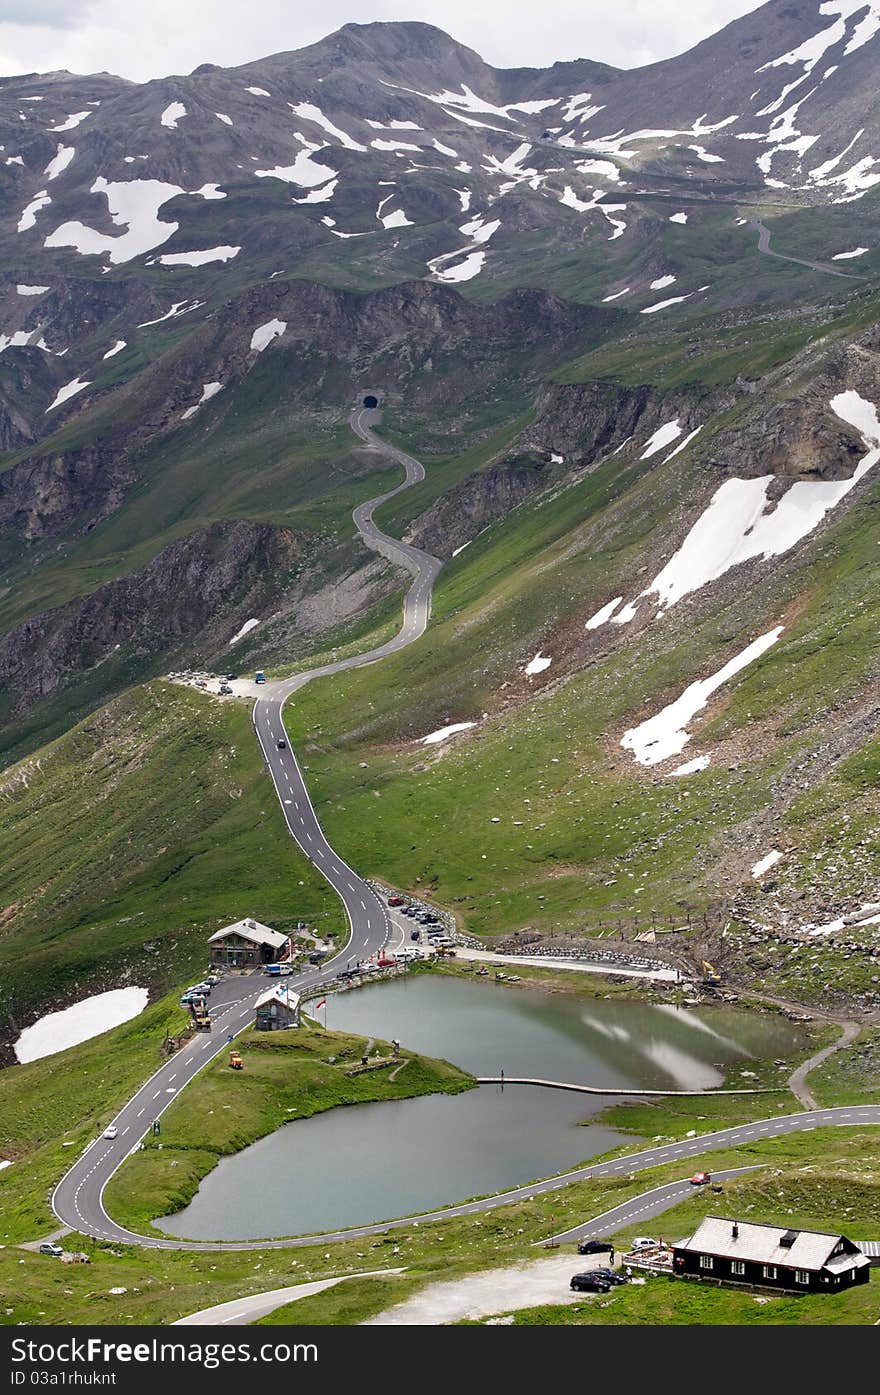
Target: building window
column 737, row 1266
column 707, row 1262
column 801, row 1276
column 769, row 1271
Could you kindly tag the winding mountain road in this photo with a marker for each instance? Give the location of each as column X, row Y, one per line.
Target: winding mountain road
column 78, row 1198
column 764, row 246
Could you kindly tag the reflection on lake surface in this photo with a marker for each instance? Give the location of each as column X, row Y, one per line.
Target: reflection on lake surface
column 375, row 1161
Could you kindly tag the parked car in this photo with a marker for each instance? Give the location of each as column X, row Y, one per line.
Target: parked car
column 611, row 1276
column 318, row 956
column 595, row 1247
column 700, row 1179
column 111, row 1131
column 48, row 1248
column 395, row 900
column 589, row 1283
column 415, row 935
column 643, row 1242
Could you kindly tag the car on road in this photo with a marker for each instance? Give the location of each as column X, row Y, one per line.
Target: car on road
column 346, row 974
column 643, row 1242
column 111, row 1131
column 700, row 1179
column 589, row 1283
column 48, row 1248
column 282, row 744
column 595, row 1247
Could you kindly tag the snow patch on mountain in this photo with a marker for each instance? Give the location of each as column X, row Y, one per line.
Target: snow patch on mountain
column 765, row 863
column 661, row 282
column 603, row 614
column 666, row 734
column 73, row 120
column 209, row 390
column 60, row 160
column 673, row 300
column 537, row 665
column 134, row 204
column 29, row 214
column 309, row 112
column 679, row 218
column 180, row 307
column 845, row 256
column 690, row 767
column 245, row 630
column 32, row 290
column 395, row 145
column 463, row 271
column 69, row 390
column 443, row 733
column 304, row 171
column 264, row 334
column 200, row 258
column 322, row 195
column 115, row 349
column 221, row 116
column 173, row 113
column 662, row 437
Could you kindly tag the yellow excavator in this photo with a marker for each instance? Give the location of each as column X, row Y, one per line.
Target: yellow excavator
column 711, row 976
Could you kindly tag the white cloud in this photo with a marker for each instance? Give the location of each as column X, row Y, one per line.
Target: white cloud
column 143, row 40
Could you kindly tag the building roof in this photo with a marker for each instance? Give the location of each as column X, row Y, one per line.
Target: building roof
column 809, row 1249
column 251, row 930
column 279, row 993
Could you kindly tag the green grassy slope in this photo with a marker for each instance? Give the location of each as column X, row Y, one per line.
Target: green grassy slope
column 582, row 830
column 127, row 841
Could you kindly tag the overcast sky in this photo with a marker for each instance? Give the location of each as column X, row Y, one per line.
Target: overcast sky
column 141, row 39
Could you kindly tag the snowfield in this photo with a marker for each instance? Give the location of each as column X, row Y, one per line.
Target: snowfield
column 245, row 630
column 209, row 254
column 443, row 733
column 209, row 390
column 59, row 1030
column 69, row 390
column 662, row 437
column 134, row 204
column 666, row 734
column 766, row 863
column 172, row 114
column 538, row 664
column 264, row 334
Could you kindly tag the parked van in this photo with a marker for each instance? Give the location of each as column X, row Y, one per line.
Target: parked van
column 259, row 676
column 278, row 970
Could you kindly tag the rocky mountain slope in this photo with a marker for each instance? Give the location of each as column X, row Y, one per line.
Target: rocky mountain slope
column 629, row 322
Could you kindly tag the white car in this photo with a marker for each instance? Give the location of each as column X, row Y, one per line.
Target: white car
column 111, row 1131
column 643, row 1242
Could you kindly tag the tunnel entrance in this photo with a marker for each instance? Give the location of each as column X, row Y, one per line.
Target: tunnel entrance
column 370, row 400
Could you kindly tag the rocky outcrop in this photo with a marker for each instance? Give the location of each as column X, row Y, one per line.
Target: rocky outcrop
column 197, row 590
column 587, row 421
column 801, row 437
column 44, row 496
column 476, row 502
